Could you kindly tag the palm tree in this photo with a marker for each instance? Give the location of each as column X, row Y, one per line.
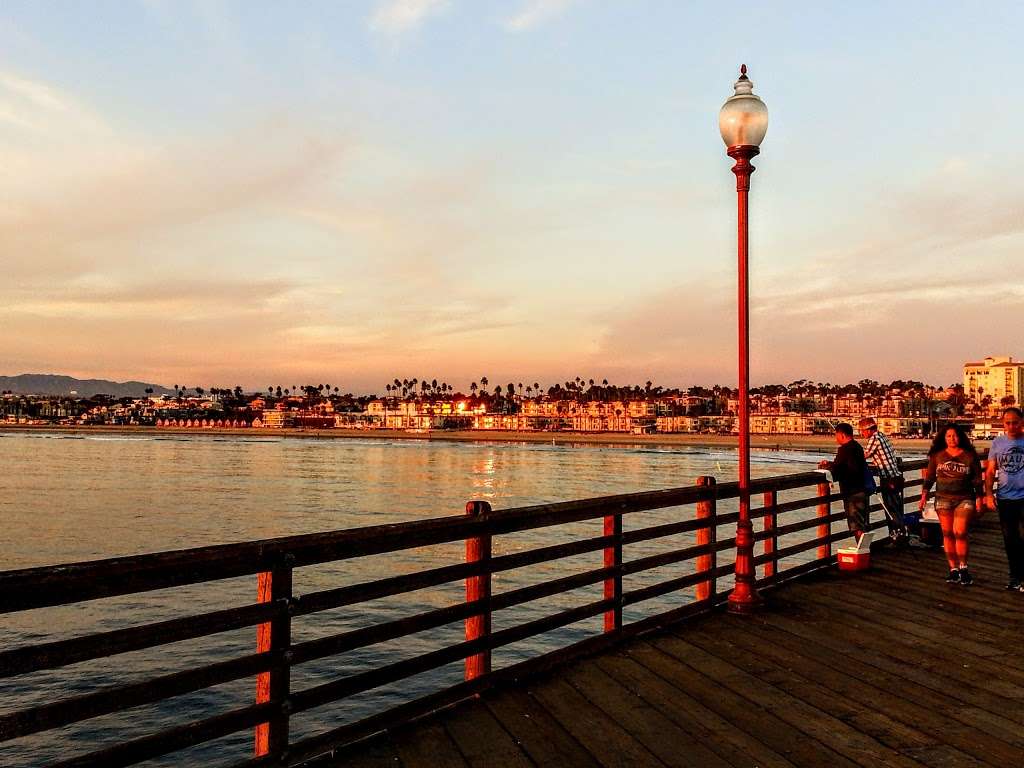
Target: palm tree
column 483, row 382
column 472, row 389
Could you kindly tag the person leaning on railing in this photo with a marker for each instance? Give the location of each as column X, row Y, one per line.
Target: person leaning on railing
column 955, row 470
column 880, row 454
column 1006, row 462
column 850, row 470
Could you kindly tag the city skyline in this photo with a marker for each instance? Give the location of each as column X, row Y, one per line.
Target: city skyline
column 211, row 192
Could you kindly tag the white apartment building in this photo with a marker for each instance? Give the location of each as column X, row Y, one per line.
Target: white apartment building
column 995, row 378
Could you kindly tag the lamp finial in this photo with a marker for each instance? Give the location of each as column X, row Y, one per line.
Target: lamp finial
column 743, row 69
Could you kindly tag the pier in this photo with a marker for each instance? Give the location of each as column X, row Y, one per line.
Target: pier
column 886, row 668
column 890, row 667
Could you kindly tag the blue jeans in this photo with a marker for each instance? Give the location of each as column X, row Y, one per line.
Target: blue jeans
column 890, row 491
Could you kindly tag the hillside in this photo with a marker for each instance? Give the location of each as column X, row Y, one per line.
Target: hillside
column 52, row 384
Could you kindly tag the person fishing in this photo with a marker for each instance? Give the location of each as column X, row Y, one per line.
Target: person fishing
column 850, row 470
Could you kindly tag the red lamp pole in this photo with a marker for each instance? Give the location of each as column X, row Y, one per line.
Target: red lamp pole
column 744, row 597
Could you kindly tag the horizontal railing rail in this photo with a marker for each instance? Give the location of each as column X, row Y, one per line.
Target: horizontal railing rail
column 275, row 560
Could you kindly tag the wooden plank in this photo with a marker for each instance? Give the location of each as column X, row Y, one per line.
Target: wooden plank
column 932, row 715
column 610, row 744
column 760, row 723
column 942, row 603
column 982, row 674
column 18, row 661
column 170, row 740
column 538, row 735
column 911, row 663
column 719, row 735
column 728, row 639
column 951, row 598
column 942, row 756
column 427, row 745
column 920, row 625
column 915, row 618
column 815, row 723
column 920, row 683
column 481, row 739
column 118, row 698
column 672, row 745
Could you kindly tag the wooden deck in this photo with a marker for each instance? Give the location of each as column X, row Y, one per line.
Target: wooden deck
column 887, row 668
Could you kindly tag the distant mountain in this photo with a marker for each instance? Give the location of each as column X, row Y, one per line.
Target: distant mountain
column 51, row 384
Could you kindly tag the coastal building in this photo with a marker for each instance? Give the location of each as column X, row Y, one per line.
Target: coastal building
column 277, row 419
column 993, row 381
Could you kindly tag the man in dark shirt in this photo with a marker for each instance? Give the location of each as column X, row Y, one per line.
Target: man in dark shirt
column 849, row 469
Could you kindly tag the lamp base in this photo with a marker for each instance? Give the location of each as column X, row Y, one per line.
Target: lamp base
column 744, row 599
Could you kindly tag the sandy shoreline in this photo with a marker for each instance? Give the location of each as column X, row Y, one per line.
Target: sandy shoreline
column 820, row 443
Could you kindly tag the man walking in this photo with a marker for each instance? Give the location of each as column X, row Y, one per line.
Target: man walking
column 1006, row 462
column 848, row 469
column 881, row 455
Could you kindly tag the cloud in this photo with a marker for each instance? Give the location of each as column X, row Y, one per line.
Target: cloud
column 924, row 278
column 39, row 108
column 397, row 17
column 182, row 298
column 126, row 195
column 536, row 12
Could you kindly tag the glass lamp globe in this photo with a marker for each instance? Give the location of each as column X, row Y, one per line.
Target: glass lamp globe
column 743, row 119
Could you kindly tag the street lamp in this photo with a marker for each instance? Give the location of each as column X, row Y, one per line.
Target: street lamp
column 743, row 122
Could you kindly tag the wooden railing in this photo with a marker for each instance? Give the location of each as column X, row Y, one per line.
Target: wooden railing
column 273, row 561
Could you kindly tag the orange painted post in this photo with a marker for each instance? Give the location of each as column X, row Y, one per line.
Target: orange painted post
column 825, row 529
column 478, row 549
column 264, row 586
column 613, row 584
column 706, row 510
column 272, row 737
column 771, row 543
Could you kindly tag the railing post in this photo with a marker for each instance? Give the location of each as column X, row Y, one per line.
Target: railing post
column 613, row 559
column 708, row 535
column 478, row 550
column 825, row 529
column 771, row 543
column 271, row 738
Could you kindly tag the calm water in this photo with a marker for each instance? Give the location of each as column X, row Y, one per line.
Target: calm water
column 66, row 498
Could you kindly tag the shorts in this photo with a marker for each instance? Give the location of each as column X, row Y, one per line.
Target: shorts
column 856, row 508
column 955, row 507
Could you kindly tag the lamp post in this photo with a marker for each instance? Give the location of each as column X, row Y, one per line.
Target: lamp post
column 743, row 122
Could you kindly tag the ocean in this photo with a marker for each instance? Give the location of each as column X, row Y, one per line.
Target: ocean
column 66, row 498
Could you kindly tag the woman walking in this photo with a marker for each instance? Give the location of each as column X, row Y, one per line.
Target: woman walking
column 954, row 468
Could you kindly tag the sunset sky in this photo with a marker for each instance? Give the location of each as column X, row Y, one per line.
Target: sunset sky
column 219, row 193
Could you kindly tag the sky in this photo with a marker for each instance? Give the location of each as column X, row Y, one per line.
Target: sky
column 255, row 193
